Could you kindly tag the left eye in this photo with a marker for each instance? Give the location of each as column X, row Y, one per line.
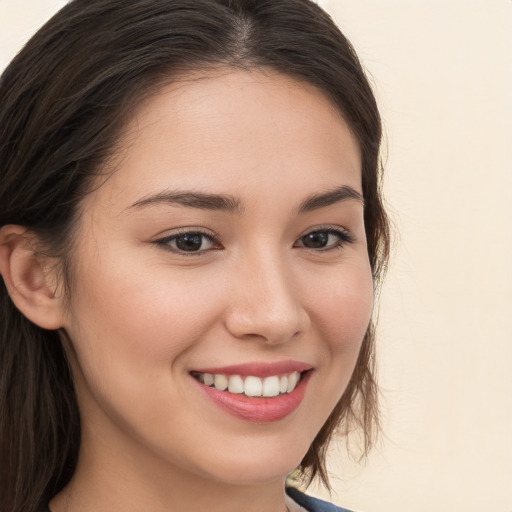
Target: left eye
column 190, row 242
column 324, row 239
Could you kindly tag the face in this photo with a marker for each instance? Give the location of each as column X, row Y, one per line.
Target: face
column 227, row 249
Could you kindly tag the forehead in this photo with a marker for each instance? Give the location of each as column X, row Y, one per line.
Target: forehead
column 230, row 128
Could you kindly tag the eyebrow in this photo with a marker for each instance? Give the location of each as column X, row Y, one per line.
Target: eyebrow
column 317, row 201
column 230, row 204
column 201, row 200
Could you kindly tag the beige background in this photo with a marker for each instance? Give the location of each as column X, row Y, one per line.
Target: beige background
column 443, row 75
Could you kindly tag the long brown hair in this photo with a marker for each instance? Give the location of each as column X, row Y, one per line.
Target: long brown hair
column 63, row 102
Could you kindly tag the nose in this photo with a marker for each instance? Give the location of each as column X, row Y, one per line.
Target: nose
column 266, row 303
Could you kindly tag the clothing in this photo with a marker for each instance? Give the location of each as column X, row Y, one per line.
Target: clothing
column 307, row 502
column 312, row 504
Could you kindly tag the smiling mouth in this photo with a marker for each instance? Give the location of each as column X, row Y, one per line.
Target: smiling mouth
column 250, row 385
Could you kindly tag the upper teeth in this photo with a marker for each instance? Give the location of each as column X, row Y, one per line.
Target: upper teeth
column 251, row 385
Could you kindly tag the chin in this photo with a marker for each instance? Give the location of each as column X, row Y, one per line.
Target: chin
column 251, row 474
column 257, row 465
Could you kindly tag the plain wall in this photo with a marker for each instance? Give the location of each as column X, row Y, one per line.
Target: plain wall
column 443, row 76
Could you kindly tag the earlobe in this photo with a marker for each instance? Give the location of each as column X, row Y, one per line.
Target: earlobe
column 29, row 278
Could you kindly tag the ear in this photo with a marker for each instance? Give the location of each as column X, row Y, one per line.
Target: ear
column 30, row 278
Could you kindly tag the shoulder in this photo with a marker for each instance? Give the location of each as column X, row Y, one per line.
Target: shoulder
column 312, row 504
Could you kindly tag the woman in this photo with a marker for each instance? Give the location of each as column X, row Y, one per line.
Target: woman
column 192, row 234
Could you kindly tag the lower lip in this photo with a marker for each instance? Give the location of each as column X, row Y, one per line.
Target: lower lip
column 258, row 409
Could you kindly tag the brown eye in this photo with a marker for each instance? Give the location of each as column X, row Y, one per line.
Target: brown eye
column 189, row 242
column 325, row 239
column 315, row 240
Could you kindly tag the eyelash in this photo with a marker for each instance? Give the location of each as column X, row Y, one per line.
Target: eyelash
column 344, row 238
column 166, row 242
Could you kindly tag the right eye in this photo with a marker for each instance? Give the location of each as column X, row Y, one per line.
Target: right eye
column 190, row 242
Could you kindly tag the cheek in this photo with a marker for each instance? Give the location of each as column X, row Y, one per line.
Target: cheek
column 132, row 333
column 343, row 307
column 130, row 320
column 340, row 306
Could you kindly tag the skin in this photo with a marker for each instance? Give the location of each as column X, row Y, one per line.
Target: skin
column 143, row 315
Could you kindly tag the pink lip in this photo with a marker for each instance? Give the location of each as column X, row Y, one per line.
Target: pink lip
column 259, row 369
column 257, row 409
